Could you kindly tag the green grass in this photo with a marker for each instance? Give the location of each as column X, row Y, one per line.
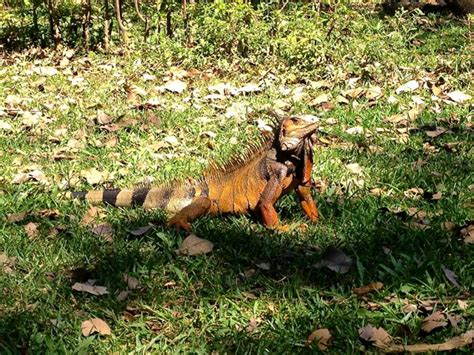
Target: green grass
column 212, row 298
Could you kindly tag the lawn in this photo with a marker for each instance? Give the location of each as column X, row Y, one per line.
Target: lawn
column 393, row 170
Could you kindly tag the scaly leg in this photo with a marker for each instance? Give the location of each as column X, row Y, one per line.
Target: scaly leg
column 270, row 195
column 197, row 208
column 307, row 202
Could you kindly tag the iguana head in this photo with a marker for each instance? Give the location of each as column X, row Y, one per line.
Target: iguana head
column 296, row 130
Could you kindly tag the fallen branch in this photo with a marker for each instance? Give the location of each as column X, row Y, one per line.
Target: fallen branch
column 451, row 344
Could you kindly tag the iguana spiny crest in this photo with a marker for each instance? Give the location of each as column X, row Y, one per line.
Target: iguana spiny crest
column 252, row 182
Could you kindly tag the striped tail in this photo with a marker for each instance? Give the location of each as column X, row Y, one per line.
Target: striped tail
column 166, row 198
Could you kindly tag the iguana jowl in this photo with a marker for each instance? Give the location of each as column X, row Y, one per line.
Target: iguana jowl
column 254, row 181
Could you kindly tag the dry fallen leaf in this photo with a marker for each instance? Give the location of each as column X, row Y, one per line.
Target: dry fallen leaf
column 5, row 126
column 354, row 168
column 132, row 282
column 373, row 92
column 320, row 99
column 355, row 130
column 378, row 336
column 103, row 118
column 94, row 290
column 414, row 193
column 194, row 245
column 16, row 217
column 458, row 96
column 7, row 263
column 322, row 337
column 468, row 234
column 176, row 86
column 122, row 296
column 409, row 86
column 409, row 308
column 104, row 230
column 363, row 290
column 31, row 230
column 353, row 93
column 253, row 324
column 95, row 325
column 335, row 260
column 462, row 304
column 141, row 231
column 437, row 132
column 433, row 321
column 92, row 214
column 93, row 176
column 451, row 276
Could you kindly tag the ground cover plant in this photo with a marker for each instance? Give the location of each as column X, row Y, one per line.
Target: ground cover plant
column 393, row 174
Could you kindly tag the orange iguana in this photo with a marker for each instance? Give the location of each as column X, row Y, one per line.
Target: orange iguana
column 253, row 181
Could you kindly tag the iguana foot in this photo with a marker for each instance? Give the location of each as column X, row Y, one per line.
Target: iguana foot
column 282, row 228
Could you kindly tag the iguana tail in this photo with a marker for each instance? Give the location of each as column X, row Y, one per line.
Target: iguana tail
column 168, row 198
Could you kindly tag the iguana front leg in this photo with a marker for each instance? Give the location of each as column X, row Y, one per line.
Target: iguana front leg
column 303, row 190
column 183, row 219
column 307, row 202
column 270, row 195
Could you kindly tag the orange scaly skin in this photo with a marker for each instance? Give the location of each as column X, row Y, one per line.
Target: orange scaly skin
column 253, row 182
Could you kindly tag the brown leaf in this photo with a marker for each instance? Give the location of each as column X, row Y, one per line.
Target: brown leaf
column 7, row 263
column 31, row 230
column 414, row 193
column 16, row 217
column 132, row 282
column 103, row 118
column 454, row 319
column 363, row 290
column 433, row 321
column 451, row 276
column 353, row 93
column 322, row 337
column 94, row 290
column 253, row 324
column 194, row 245
column 378, row 336
column 437, row 132
column 437, row 196
column 104, row 230
column 354, row 168
column 323, row 98
column 409, row 308
column 462, row 305
column 373, row 93
column 408, row 86
column 335, row 260
column 93, row 176
column 92, row 214
column 458, row 96
column 122, row 296
column 176, row 86
column 95, row 325
column 141, row 231
column 468, row 234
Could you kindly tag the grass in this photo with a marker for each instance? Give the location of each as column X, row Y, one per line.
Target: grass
column 205, row 303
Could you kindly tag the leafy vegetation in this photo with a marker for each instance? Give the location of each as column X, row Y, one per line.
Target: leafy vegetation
column 393, row 171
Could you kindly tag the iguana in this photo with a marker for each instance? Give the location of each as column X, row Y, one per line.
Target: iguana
column 251, row 182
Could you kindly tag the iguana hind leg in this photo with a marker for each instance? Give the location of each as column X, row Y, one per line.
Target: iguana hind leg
column 183, row 219
column 307, row 202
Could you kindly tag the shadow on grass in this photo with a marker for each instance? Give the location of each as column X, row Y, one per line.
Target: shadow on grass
column 251, row 266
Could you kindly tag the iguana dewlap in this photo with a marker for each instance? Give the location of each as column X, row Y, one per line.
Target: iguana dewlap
column 252, row 182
